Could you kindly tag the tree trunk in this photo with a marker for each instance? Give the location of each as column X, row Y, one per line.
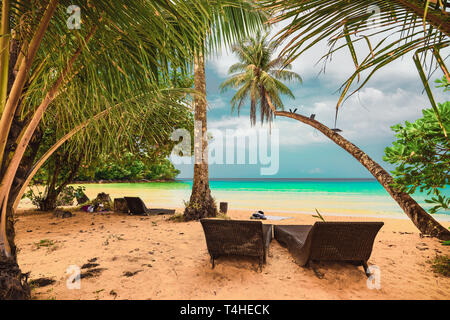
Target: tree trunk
column 49, row 203
column 63, row 178
column 201, row 203
column 11, row 279
column 13, row 283
column 25, row 165
column 421, row 219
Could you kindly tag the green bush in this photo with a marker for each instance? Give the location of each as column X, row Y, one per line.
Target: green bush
column 65, row 198
column 129, row 168
column 420, row 155
column 441, row 265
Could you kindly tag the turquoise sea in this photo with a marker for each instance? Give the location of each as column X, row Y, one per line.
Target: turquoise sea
column 330, row 197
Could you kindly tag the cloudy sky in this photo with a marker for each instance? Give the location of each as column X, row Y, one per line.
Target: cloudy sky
column 392, row 96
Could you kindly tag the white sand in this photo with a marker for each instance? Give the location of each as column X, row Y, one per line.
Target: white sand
column 172, row 262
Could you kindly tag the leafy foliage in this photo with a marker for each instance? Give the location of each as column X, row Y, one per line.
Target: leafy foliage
column 375, row 33
column 319, row 216
column 421, row 156
column 443, row 83
column 441, row 265
column 65, row 198
column 131, row 78
column 138, row 151
column 129, row 168
column 134, row 47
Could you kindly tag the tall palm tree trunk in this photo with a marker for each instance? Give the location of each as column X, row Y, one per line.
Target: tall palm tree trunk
column 201, row 203
column 421, row 219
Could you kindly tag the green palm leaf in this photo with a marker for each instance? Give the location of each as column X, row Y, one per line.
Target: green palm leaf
column 260, row 75
column 399, row 28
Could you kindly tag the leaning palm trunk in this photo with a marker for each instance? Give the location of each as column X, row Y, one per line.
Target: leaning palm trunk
column 201, row 203
column 421, row 219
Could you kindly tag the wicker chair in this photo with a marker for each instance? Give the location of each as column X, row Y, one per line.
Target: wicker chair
column 237, row 237
column 330, row 241
column 137, row 206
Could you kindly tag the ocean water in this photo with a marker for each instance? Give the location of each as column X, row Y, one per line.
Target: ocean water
column 330, row 197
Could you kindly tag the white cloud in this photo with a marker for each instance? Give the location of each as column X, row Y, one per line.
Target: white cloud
column 315, row 171
column 217, row 103
column 291, row 132
column 363, row 118
column 400, row 73
column 370, row 114
column 222, row 63
column 393, row 95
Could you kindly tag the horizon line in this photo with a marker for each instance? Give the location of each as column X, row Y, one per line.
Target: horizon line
column 285, row 179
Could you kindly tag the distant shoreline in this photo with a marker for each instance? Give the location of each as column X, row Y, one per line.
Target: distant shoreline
column 283, row 179
column 120, row 181
column 233, row 179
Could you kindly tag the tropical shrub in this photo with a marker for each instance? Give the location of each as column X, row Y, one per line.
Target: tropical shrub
column 129, row 168
column 420, row 155
column 65, row 198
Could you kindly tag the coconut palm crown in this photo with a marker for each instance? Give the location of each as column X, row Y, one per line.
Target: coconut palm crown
column 258, row 76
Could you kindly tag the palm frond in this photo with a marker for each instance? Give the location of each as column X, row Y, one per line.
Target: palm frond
column 390, row 29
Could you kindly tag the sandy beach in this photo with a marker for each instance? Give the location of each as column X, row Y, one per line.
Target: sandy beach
column 136, row 257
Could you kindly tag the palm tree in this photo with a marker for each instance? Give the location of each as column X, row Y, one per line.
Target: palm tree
column 48, row 63
column 423, row 221
column 390, row 30
column 201, row 203
column 259, row 77
column 231, row 21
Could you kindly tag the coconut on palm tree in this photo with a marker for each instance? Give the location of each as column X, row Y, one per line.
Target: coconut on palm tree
column 256, row 82
column 259, row 77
